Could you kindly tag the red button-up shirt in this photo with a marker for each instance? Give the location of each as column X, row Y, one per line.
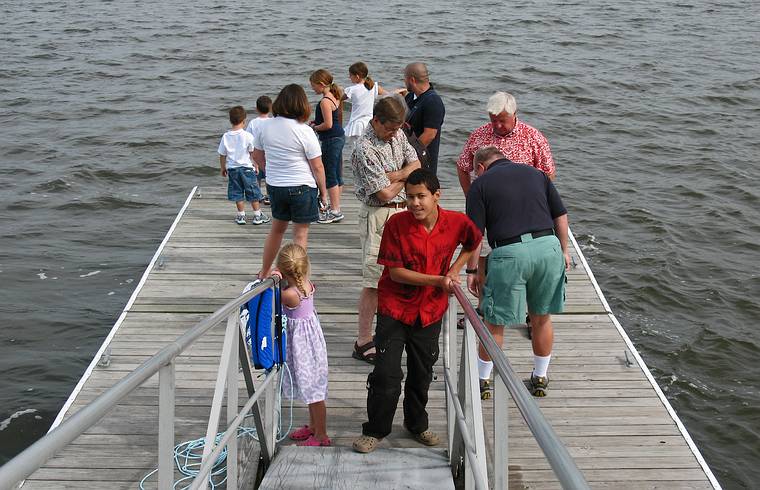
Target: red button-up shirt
column 524, row 144
column 406, row 243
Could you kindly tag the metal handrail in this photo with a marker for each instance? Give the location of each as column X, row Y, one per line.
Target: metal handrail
column 33, row 457
column 567, row 472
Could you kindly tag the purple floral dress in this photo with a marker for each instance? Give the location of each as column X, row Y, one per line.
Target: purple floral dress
column 307, row 353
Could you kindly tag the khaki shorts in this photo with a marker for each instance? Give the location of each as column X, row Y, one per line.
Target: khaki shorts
column 371, row 225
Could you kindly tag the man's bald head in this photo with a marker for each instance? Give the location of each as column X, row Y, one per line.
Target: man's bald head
column 418, row 71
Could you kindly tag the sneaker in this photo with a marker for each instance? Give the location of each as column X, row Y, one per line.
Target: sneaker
column 428, row 438
column 314, row 442
column 240, row 219
column 301, row 434
column 538, row 385
column 365, row 444
column 486, row 389
column 336, row 216
column 260, row 219
column 325, row 217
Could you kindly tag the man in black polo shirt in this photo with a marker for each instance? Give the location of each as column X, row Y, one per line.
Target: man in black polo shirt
column 426, row 110
column 526, row 225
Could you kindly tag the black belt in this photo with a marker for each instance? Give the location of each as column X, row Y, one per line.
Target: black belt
column 516, row 239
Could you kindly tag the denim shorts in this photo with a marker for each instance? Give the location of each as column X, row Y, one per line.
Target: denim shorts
column 332, row 159
column 242, row 185
column 297, row 204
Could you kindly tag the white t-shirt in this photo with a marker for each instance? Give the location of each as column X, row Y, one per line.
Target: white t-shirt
column 236, row 146
column 254, row 125
column 288, row 146
column 362, row 105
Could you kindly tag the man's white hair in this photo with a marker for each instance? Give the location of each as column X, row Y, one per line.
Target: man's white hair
column 500, row 102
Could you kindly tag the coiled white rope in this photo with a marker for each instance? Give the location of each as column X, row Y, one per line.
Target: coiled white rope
column 188, row 455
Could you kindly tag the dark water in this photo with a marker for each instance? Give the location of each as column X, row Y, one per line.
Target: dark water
column 111, row 111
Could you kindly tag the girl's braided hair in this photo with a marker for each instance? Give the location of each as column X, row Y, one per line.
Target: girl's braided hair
column 293, row 262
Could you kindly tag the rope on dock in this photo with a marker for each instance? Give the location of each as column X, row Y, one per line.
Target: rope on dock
column 188, row 455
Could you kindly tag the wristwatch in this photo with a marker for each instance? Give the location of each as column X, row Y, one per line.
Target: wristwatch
column 471, row 271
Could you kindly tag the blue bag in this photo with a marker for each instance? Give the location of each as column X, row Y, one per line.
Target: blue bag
column 266, row 349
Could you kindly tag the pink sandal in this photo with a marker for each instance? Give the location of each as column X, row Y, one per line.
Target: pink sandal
column 301, row 434
column 314, row 442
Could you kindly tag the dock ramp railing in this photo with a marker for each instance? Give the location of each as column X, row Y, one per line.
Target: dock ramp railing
column 466, row 432
column 466, row 436
column 163, row 363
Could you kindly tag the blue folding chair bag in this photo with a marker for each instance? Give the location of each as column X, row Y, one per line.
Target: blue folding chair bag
column 266, row 349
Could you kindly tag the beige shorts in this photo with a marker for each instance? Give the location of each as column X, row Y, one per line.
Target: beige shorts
column 371, row 225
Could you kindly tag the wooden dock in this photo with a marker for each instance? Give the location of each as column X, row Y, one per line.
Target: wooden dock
column 602, row 401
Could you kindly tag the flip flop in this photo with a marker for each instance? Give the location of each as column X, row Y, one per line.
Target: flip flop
column 359, row 352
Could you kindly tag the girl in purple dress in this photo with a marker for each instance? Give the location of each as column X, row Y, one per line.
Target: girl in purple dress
column 306, row 349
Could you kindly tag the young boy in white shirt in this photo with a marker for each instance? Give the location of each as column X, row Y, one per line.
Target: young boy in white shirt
column 235, row 159
column 264, row 108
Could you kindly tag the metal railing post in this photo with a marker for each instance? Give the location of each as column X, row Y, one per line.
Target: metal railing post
column 230, row 338
column 450, row 362
column 166, row 401
column 469, row 398
column 245, row 361
column 271, row 400
column 501, row 434
column 269, row 424
column 232, row 409
column 462, row 391
column 473, row 384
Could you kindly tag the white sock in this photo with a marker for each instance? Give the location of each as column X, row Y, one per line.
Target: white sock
column 541, row 365
column 241, row 213
column 257, row 212
column 484, row 368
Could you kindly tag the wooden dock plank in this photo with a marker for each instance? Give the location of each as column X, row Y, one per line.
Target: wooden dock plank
column 604, row 409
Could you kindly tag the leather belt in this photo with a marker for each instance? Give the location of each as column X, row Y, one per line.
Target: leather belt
column 395, row 205
column 516, row 239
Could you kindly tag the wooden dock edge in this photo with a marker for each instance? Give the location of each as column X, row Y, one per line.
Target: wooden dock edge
column 671, row 411
column 96, row 358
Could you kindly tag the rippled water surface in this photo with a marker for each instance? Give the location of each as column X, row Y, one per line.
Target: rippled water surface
column 111, row 111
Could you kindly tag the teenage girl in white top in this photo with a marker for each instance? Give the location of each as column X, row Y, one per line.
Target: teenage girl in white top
column 362, row 95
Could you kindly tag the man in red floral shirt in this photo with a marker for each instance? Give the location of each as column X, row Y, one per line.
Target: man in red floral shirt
column 416, row 250
column 519, row 142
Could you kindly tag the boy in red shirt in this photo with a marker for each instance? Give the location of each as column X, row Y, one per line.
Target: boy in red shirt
column 416, row 250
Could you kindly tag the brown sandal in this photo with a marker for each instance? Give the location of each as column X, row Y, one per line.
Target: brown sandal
column 359, row 352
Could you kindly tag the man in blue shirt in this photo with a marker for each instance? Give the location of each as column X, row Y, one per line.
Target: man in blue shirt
column 526, row 223
column 426, row 110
